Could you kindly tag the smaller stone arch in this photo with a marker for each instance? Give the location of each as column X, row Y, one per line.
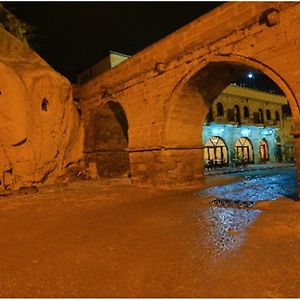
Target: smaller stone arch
column 106, row 141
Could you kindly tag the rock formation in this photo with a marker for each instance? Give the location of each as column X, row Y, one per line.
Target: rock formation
column 40, row 129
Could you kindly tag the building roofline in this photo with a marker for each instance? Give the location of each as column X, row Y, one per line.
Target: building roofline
column 254, row 94
column 118, row 53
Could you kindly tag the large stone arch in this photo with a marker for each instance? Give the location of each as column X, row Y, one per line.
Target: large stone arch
column 184, row 86
column 191, row 100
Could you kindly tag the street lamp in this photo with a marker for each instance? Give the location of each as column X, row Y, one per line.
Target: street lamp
column 251, row 76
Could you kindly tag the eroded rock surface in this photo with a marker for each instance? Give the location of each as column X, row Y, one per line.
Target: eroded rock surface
column 40, row 129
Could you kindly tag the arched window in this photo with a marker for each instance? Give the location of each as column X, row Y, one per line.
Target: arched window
column 277, row 117
column 237, row 115
column 220, row 109
column 244, row 150
column 215, row 152
column 263, row 150
column 246, row 112
column 268, row 113
column 261, row 116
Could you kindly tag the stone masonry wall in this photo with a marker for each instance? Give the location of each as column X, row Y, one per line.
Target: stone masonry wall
column 170, row 85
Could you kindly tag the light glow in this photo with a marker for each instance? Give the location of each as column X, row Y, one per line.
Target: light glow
column 217, row 130
column 245, row 131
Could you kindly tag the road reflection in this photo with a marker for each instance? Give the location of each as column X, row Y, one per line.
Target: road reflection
column 226, row 227
column 257, row 187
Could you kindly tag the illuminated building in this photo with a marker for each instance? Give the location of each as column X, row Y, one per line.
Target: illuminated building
column 248, row 126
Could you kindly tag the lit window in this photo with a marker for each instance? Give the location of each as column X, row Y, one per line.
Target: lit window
column 244, row 150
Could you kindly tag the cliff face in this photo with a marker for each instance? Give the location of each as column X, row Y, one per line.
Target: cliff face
column 40, row 129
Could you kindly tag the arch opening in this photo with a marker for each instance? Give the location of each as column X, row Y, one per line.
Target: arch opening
column 251, row 115
column 106, row 141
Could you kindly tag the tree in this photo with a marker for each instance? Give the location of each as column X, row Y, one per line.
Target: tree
column 12, row 24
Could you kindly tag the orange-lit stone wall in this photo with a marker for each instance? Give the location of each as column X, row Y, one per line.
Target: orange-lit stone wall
column 167, row 89
column 40, row 131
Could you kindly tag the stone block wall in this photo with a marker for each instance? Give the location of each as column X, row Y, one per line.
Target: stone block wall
column 167, row 89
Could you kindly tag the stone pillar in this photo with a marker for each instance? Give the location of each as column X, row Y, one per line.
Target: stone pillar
column 296, row 135
column 167, row 167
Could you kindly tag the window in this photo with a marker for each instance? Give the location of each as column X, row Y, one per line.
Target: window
column 260, row 116
column 268, row 113
column 215, row 151
column 286, row 110
column 237, row 115
column 246, row 112
column 220, row 109
column 263, row 150
column 243, row 150
column 277, row 117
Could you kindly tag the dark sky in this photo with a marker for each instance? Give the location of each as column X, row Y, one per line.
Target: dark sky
column 71, row 36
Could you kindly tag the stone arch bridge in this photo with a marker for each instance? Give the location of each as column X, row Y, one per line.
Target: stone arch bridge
column 145, row 116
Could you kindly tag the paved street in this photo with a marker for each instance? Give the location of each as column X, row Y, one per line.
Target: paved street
column 91, row 239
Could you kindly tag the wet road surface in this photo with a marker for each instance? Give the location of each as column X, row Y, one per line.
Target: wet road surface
column 258, row 185
column 93, row 240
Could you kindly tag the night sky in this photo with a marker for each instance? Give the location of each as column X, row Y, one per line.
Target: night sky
column 71, row 36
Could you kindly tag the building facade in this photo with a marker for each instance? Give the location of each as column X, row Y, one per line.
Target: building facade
column 247, row 126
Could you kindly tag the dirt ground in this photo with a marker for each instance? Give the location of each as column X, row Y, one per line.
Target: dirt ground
column 90, row 239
